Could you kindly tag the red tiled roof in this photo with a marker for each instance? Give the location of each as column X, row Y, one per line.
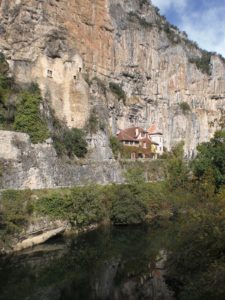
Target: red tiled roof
column 129, row 134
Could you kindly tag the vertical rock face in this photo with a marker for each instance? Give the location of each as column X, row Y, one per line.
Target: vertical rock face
column 66, row 45
column 28, row 166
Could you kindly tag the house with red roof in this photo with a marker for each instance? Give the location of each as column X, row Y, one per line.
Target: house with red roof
column 138, row 143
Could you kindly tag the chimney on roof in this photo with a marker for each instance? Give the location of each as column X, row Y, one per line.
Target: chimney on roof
column 137, row 131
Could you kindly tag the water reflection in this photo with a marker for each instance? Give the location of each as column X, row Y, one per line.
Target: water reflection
column 108, row 264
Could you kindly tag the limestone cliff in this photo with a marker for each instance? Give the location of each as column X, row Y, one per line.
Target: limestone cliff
column 75, row 48
column 27, row 166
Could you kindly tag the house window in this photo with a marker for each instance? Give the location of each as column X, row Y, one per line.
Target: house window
column 49, row 73
column 144, row 145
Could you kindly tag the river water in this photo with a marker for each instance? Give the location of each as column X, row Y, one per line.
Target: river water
column 118, row 263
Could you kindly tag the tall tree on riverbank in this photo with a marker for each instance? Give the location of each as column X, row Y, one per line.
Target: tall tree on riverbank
column 176, row 168
column 211, row 159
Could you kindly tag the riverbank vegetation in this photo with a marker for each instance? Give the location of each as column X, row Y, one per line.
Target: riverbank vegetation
column 191, row 200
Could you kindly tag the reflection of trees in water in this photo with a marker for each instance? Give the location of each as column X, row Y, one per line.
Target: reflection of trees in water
column 106, row 264
column 196, row 263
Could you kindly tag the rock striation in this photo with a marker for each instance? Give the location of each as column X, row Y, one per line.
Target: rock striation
column 28, row 166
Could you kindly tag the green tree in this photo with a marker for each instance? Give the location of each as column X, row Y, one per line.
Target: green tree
column 127, row 208
column 176, row 167
column 211, row 155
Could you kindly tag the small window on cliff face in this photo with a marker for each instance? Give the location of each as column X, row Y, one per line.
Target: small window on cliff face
column 80, row 69
column 49, row 73
column 74, row 77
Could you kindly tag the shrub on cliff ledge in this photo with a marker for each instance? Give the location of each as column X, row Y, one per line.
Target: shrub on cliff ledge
column 185, row 107
column 7, row 90
column 116, row 146
column 70, row 142
column 117, row 90
column 28, row 117
column 203, row 63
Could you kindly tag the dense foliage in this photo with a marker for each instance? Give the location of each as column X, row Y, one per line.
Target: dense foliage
column 81, row 206
column 127, row 207
column 116, row 146
column 185, row 107
column 7, row 101
column 118, row 91
column 211, row 160
column 15, row 211
column 176, row 167
column 203, row 63
column 197, row 260
column 197, row 256
column 70, row 142
column 28, row 118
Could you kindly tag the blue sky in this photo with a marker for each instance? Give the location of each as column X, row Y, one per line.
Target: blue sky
column 203, row 20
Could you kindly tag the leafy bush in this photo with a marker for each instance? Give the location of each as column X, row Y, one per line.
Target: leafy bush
column 185, row 107
column 93, row 123
column 81, row 206
column 118, row 91
column 203, row 63
column 70, row 142
column 143, row 2
column 28, row 118
column 126, row 206
column 87, row 206
column 7, row 106
column 115, row 145
column 171, row 33
column 176, row 169
column 134, row 17
column 134, row 175
column 15, row 210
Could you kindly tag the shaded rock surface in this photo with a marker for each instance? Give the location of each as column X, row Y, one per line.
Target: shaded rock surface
column 37, row 166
